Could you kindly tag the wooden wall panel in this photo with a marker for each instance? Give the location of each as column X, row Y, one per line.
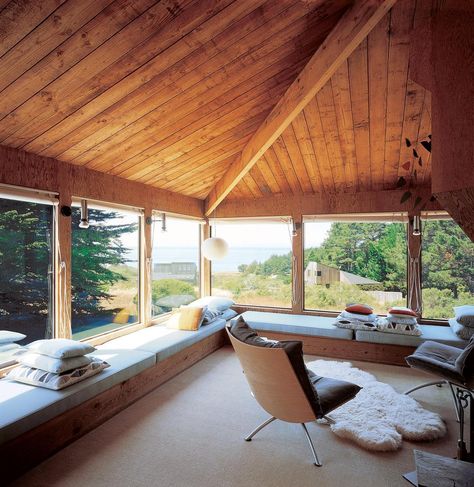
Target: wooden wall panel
column 21, row 168
column 323, row 203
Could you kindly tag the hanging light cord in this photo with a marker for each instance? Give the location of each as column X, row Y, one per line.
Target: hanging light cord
column 64, row 303
column 415, row 280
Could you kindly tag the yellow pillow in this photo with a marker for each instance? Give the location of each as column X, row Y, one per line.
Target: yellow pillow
column 187, row 318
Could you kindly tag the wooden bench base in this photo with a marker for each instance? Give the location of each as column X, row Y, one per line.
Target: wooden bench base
column 348, row 349
column 27, row 450
column 24, row 452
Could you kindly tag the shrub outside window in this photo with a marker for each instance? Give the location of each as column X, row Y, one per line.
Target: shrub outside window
column 355, row 261
column 105, row 272
column 27, row 268
column 447, row 263
column 257, row 269
column 175, row 273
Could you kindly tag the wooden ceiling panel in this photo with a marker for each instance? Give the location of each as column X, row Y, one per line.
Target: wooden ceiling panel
column 168, row 93
column 352, row 135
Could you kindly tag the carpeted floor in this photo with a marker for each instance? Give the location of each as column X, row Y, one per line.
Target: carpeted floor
column 189, row 432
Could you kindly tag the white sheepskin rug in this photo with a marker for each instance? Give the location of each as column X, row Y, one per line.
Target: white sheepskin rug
column 378, row 418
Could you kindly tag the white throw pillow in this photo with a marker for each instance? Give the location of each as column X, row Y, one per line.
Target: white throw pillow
column 386, row 326
column 217, row 303
column 7, row 336
column 37, row 377
column 51, row 364
column 8, row 353
column 60, row 348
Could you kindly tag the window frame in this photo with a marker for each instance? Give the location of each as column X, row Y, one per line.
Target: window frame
column 382, row 217
column 47, row 198
column 427, row 216
column 288, row 220
column 105, row 336
column 157, row 319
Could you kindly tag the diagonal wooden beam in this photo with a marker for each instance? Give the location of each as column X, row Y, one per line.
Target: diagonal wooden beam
column 349, row 32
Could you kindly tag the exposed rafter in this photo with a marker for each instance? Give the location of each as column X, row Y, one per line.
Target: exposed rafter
column 349, row 32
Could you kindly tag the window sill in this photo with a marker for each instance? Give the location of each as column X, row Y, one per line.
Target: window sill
column 105, row 337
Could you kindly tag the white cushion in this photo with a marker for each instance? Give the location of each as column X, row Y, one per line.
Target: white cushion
column 60, row 348
column 299, row 324
column 162, row 341
column 465, row 315
column 214, row 302
column 51, row 364
column 7, row 336
column 8, row 353
column 23, row 407
column 228, row 314
column 49, row 380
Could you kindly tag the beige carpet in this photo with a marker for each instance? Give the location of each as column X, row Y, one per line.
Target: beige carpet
column 189, row 432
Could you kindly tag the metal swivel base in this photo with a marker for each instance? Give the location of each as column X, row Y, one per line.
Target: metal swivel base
column 439, row 383
column 270, row 420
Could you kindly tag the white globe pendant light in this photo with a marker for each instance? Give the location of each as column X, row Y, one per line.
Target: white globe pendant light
column 214, row 248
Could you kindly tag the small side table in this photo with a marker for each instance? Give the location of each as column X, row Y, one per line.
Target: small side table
column 437, row 471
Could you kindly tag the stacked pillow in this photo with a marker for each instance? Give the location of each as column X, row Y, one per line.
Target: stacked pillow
column 215, row 307
column 56, row 363
column 357, row 316
column 463, row 322
column 399, row 320
column 201, row 312
column 8, row 347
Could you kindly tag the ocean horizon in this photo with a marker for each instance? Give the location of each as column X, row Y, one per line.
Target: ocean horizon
column 235, row 257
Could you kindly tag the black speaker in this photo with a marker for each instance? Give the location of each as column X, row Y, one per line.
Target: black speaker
column 66, row 210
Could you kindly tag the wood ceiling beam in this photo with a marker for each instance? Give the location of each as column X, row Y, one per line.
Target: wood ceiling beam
column 349, row 32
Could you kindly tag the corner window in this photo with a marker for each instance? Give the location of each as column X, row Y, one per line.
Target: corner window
column 354, row 261
column 447, row 268
column 105, row 270
column 26, row 268
column 257, row 269
column 175, row 272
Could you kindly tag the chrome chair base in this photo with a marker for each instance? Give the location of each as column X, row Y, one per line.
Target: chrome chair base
column 311, row 446
column 439, row 383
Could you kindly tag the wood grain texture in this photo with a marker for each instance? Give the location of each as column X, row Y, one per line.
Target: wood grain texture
column 350, row 31
column 169, row 93
column 349, row 349
column 323, row 203
column 34, row 446
column 20, row 168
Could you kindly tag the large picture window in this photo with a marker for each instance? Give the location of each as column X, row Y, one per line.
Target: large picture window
column 175, row 273
column 257, row 269
column 447, row 263
column 26, row 268
column 354, row 261
column 105, row 271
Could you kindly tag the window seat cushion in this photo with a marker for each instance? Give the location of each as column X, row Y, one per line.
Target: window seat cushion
column 441, row 334
column 298, row 324
column 162, row 341
column 23, row 407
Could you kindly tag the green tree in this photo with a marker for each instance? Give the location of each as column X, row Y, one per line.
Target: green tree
column 376, row 251
column 95, row 252
column 25, row 242
column 447, row 258
column 171, row 287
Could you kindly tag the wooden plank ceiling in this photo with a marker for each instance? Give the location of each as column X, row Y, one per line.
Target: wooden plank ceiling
column 168, row 93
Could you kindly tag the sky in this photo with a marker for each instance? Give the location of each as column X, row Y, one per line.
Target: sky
column 184, row 233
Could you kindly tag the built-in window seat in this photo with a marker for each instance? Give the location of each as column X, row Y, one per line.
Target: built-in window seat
column 35, row 422
column 321, row 337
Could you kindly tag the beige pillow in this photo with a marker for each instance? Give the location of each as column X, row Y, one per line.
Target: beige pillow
column 187, row 318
